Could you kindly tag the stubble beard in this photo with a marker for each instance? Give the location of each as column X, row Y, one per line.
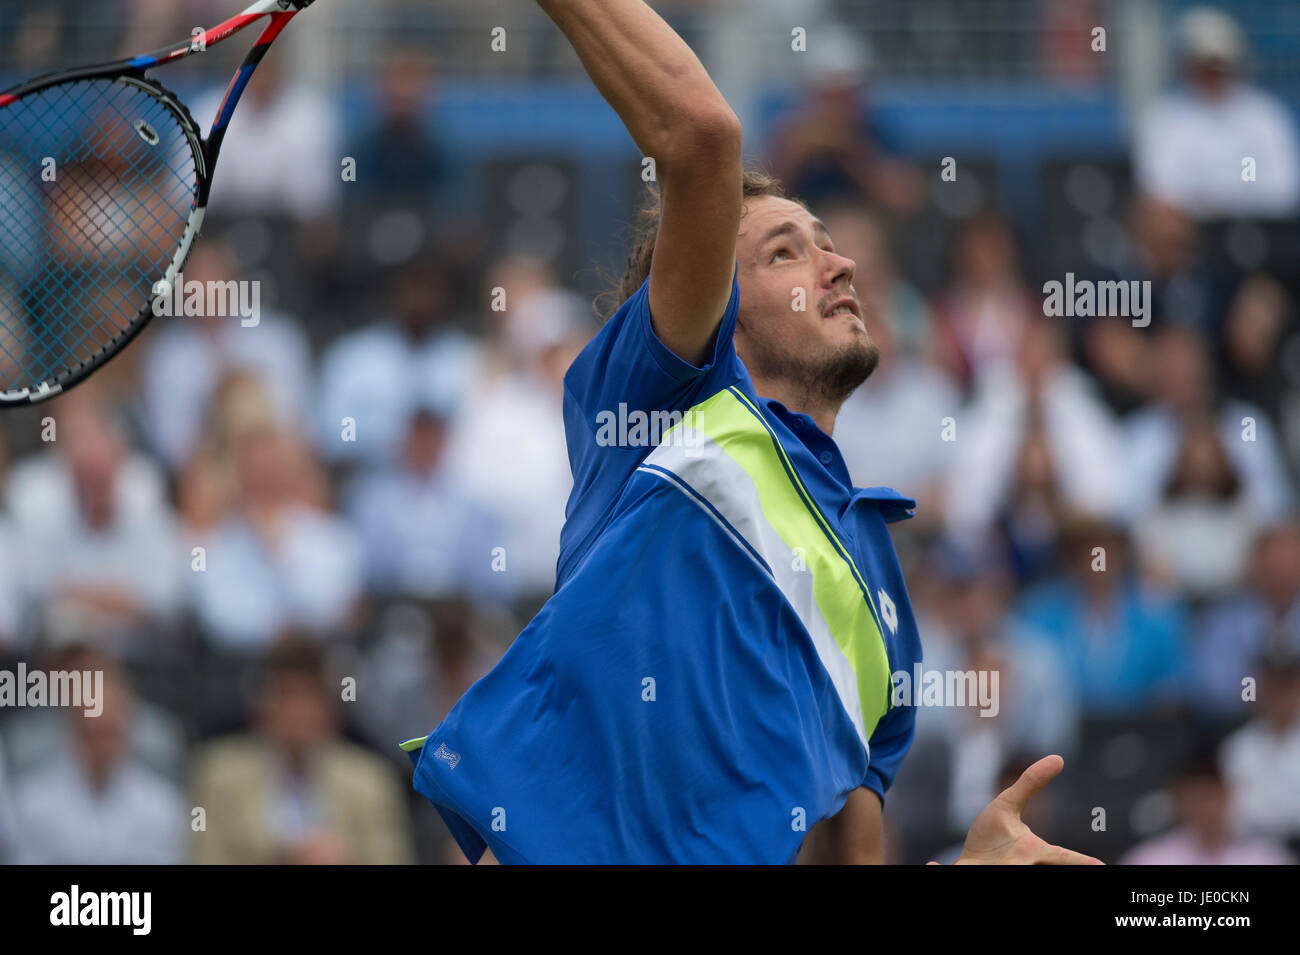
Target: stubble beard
column 826, row 379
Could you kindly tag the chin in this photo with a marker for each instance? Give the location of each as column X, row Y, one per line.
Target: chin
column 854, row 335
column 851, row 366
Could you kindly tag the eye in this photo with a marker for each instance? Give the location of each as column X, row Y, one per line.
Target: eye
column 779, row 252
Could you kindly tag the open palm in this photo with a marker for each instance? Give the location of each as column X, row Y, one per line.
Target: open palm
column 999, row 837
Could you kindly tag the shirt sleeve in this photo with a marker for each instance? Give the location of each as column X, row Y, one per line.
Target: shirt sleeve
column 892, row 737
column 626, row 365
column 890, row 742
column 627, row 375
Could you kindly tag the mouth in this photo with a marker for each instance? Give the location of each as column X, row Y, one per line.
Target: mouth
column 844, row 306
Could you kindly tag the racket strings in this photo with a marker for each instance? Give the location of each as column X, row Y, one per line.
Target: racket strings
column 97, row 183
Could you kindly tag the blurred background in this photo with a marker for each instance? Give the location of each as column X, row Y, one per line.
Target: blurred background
column 292, row 545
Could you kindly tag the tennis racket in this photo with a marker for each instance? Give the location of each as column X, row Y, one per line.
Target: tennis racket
column 104, row 181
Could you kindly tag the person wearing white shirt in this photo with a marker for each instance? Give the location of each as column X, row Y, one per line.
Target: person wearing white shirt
column 275, row 564
column 1184, row 390
column 1082, row 437
column 281, row 154
column 373, row 379
column 186, row 358
column 508, row 442
column 98, row 515
column 96, row 804
column 425, row 535
column 1220, row 147
column 1262, row 759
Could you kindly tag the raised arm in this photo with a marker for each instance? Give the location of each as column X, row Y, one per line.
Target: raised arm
column 676, row 116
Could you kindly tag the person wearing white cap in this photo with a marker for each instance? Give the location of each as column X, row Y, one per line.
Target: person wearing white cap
column 1219, row 147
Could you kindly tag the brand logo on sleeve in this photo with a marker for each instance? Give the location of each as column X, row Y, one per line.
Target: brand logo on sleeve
column 442, row 752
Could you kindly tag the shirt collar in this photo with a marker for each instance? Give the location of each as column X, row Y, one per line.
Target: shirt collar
column 893, row 505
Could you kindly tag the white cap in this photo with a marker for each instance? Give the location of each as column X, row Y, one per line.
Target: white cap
column 837, row 56
column 1205, row 33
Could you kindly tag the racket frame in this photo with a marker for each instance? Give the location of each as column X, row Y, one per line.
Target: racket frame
column 131, row 70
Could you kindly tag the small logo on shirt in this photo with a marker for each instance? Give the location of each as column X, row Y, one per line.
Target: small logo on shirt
column 442, row 752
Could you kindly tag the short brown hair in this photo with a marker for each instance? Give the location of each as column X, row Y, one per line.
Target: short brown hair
column 645, row 230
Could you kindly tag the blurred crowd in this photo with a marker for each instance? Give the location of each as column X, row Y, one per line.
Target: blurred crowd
column 291, row 544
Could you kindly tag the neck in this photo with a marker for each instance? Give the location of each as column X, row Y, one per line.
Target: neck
column 799, row 398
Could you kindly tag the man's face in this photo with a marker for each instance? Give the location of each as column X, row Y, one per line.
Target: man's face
column 296, row 712
column 800, row 319
column 1212, row 77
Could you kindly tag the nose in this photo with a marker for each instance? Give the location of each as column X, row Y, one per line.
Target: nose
column 839, row 269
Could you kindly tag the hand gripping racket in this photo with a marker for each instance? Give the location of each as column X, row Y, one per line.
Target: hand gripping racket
column 104, row 181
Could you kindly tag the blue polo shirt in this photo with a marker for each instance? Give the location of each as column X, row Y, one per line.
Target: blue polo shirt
column 711, row 677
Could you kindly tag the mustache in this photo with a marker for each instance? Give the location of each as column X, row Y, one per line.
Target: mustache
column 835, row 294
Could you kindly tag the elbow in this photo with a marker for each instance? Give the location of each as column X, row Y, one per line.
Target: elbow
column 715, row 126
column 705, row 137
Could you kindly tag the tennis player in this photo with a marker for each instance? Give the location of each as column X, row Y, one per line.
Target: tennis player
column 711, row 679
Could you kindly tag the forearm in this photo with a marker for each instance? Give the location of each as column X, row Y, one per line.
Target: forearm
column 853, row 836
column 646, row 72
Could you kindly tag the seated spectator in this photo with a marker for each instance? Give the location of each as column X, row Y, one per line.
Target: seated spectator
column 1122, row 643
column 293, row 791
column 426, row 657
column 398, row 159
column 97, row 513
column 1045, row 395
column 986, row 307
column 1184, row 389
column 1260, row 335
column 94, row 803
column 1198, row 538
column 1237, row 630
column 186, row 357
column 1262, row 759
column 1116, row 356
column 294, row 122
column 156, row 735
column 1033, row 510
column 376, row 376
column 829, row 150
column 1257, row 333
column 1189, row 146
column 1164, row 248
column 1034, row 707
column 1203, row 834
column 425, row 535
column 207, row 486
column 508, row 445
column 276, row 562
